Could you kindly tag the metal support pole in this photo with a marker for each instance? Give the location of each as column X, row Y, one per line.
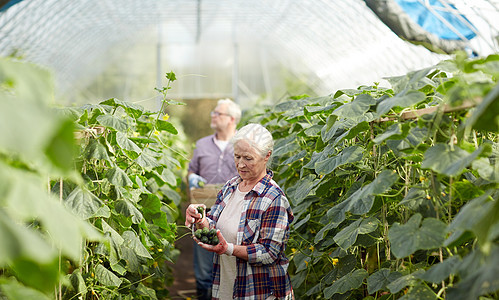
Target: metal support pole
column 158, row 65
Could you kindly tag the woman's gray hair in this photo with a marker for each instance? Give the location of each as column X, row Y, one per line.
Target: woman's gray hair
column 257, row 136
column 233, row 108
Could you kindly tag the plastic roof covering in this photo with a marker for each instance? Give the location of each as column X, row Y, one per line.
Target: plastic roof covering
column 336, row 44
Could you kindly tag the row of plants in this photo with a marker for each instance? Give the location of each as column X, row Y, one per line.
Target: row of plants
column 395, row 190
column 89, row 195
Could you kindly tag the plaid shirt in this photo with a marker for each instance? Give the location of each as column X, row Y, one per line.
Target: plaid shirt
column 264, row 229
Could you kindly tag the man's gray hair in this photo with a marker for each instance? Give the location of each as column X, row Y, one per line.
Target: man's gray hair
column 233, row 108
column 257, row 136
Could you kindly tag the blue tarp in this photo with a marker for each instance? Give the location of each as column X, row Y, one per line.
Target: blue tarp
column 427, row 19
column 9, row 4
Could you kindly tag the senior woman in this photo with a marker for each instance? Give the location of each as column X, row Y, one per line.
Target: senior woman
column 252, row 217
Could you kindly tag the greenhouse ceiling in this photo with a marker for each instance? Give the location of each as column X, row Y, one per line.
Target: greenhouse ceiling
column 224, row 48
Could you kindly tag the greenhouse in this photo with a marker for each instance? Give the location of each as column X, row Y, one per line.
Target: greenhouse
column 355, row 149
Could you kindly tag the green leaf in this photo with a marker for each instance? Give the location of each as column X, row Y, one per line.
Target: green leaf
column 441, row 271
column 96, row 150
column 168, row 176
column 166, row 126
column 407, row 238
column 61, row 147
column 115, row 236
column 356, row 108
column 125, row 143
column 42, row 276
column 380, row 279
column 360, row 202
column 448, row 160
column 485, row 116
column 398, row 284
column 486, row 170
column 478, row 275
column 131, row 108
column 402, row 100
column 146, row 291
column 414, row 198
column 19, row 241
column 348, row 235
column 479, row 215
column 14, row 290
column 171, row 76
column 106, row 277
column 127, row 209
column 83, row 203
column 347, row 155
column 132, row 242
column 420, row 292
column 78, row 283
column 394, row 129
column 147, row 161
column 113, row 122
column 346, row 283
column 118, row 177
column 303, row 189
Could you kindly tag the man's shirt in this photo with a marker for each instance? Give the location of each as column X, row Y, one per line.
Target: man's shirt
column 209, row 162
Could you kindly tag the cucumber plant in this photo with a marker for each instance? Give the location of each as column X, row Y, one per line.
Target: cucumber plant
column 394, row 190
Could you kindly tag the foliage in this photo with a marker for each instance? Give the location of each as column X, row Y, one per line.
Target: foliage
column 109, row 223
column 394, row 189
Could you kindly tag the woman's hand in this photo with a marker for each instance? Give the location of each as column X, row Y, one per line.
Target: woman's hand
column 221, row 248
column 193, row 215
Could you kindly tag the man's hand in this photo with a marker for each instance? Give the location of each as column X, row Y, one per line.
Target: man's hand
column 195, row 180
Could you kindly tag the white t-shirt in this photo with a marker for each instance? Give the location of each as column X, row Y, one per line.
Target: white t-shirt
column 221, row 144
column 228, row 224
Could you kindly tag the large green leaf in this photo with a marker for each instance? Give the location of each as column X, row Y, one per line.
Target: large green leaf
column 114, row 235
column 147, row 161
column 486, row 170
column 407, row 238
column 133, row 242
column 128, row 209
column 96, row 150
column 356, row 108
column 348, row 235
column 393, row 130
column 14, row 290
column 479, row 216
column 131, row 108
column 166, row 126
column 113, row 122
column 347, row 155
column 485, row 116
column 448, row 160
column 106, row 277
column 61, row 147
column 412, row 80
column 83, row 203
column 146, row 292
column 125, row 143
column 439, row 272
column 346, row 283
column 19, row 241
column 479, row 275
column 420, row 292
column 118, row 177
column 410, row 279
column 402, row 100
column 360, row 202
column 381, row 279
